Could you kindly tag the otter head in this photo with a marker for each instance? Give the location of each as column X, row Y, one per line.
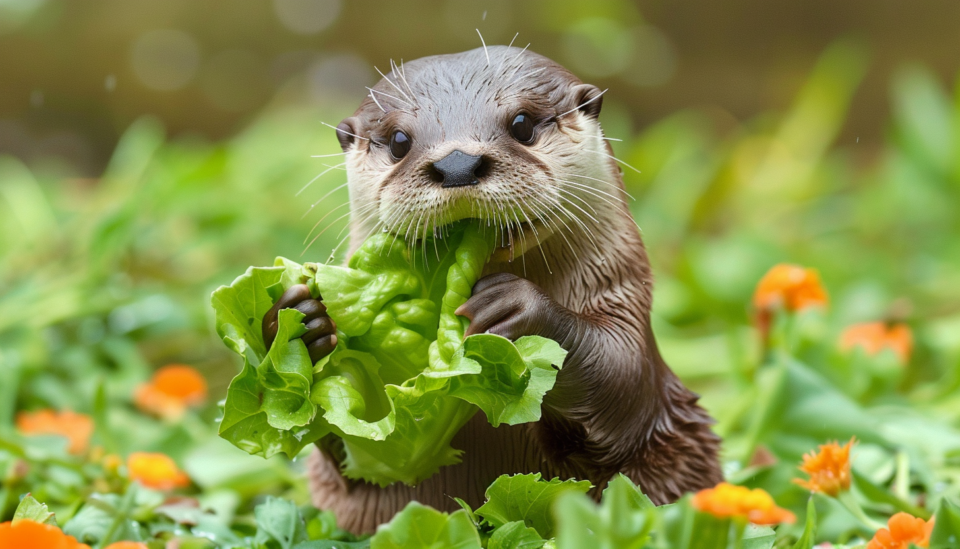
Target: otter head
column 499, row 134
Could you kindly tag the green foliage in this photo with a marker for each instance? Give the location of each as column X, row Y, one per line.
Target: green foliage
column 104, row 281
column 403, row 378
column 526, row 499
column 31, row 509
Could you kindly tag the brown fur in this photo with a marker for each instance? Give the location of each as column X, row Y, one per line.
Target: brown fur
column 586, row 282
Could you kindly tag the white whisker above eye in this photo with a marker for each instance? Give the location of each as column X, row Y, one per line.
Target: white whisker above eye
column 345, row 132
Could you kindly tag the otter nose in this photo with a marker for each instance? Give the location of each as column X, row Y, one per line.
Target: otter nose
column 458, row 169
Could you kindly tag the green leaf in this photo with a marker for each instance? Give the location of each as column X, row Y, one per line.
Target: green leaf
column 809, row 536
column 420, row 527
column 512, row 380
column 623, row 520
column 758, row 537
column 103, row 515
column 946, row 530
column 31, row 509
column 528, row 499
column 240, row 308
column 245, row 422
column 515, row 535
column 279, row 520
column 333, row 544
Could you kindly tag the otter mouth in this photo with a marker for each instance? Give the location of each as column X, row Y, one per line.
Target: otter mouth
column 513, row 240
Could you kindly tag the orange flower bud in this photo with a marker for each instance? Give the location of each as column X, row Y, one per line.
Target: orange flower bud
column 126, row 545
column 172, row 390
column 156, row 471
column 77, row 428
column 902, row 530
column 728, row 501
column 874, row 337
column 829, row 469
column 791, row 287
column 27, row 533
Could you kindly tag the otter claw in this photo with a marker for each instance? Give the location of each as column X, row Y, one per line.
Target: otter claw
column 321, row 335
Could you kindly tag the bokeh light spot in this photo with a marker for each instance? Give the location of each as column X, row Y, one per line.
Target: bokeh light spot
column 233, row 80
column 307, row 16
column 598, row 47
column 654, row 58
column 166, row 59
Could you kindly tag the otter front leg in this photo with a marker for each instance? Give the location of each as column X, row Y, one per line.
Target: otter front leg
column 321, row 336
column 509, row 306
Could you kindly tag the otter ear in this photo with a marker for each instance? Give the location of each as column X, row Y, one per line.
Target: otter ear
column 588, row 99
column 347, row 132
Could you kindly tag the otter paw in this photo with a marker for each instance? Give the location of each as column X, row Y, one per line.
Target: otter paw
column 507, row 305
column 321, row 336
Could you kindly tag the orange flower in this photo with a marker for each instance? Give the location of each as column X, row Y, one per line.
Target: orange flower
column 27, row 533
column 126, row 545
column 902, row 530
column 829, row 469
column 789, row 286
column 729, row 501
column 77, row 428
column 874, row 337
column 171, row 391
column 156, row 471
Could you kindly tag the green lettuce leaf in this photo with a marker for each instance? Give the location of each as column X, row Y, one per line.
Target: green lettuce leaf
column 402, row 380
column 528, row 499
column 421, row 527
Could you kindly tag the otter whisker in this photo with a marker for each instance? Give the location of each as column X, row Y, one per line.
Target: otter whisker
column 536, row 233
column 345, row 131
column 587, row 230
column 580, row 198
column 327, row 155
column 374, row 97
column 324, row 172
column 603, row 138
column 372, row 230
column 551, row 220
column 403, row 78
column 587, row 102
column 610, row 183
column 315, row 225
column 594, row 192
column 514, row 60
column 601, row 153
column 407, row 100
column 395, row 98
column 520, row 231
column 574, row 204
column 324, row 229
column 358, row 211
column 340, row 237
column 484, row 43
column 322, row 198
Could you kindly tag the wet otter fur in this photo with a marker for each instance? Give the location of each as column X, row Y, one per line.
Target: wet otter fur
column 510, row 137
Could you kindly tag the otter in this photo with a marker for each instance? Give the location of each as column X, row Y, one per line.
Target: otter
column 512, row 138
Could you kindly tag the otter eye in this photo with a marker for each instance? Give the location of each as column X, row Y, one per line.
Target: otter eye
column 522, row 128
column 399, row 144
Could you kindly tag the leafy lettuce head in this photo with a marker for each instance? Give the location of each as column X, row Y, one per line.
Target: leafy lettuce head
column 402, row 380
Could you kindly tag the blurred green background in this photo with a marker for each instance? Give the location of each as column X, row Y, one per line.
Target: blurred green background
column 151, row 151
